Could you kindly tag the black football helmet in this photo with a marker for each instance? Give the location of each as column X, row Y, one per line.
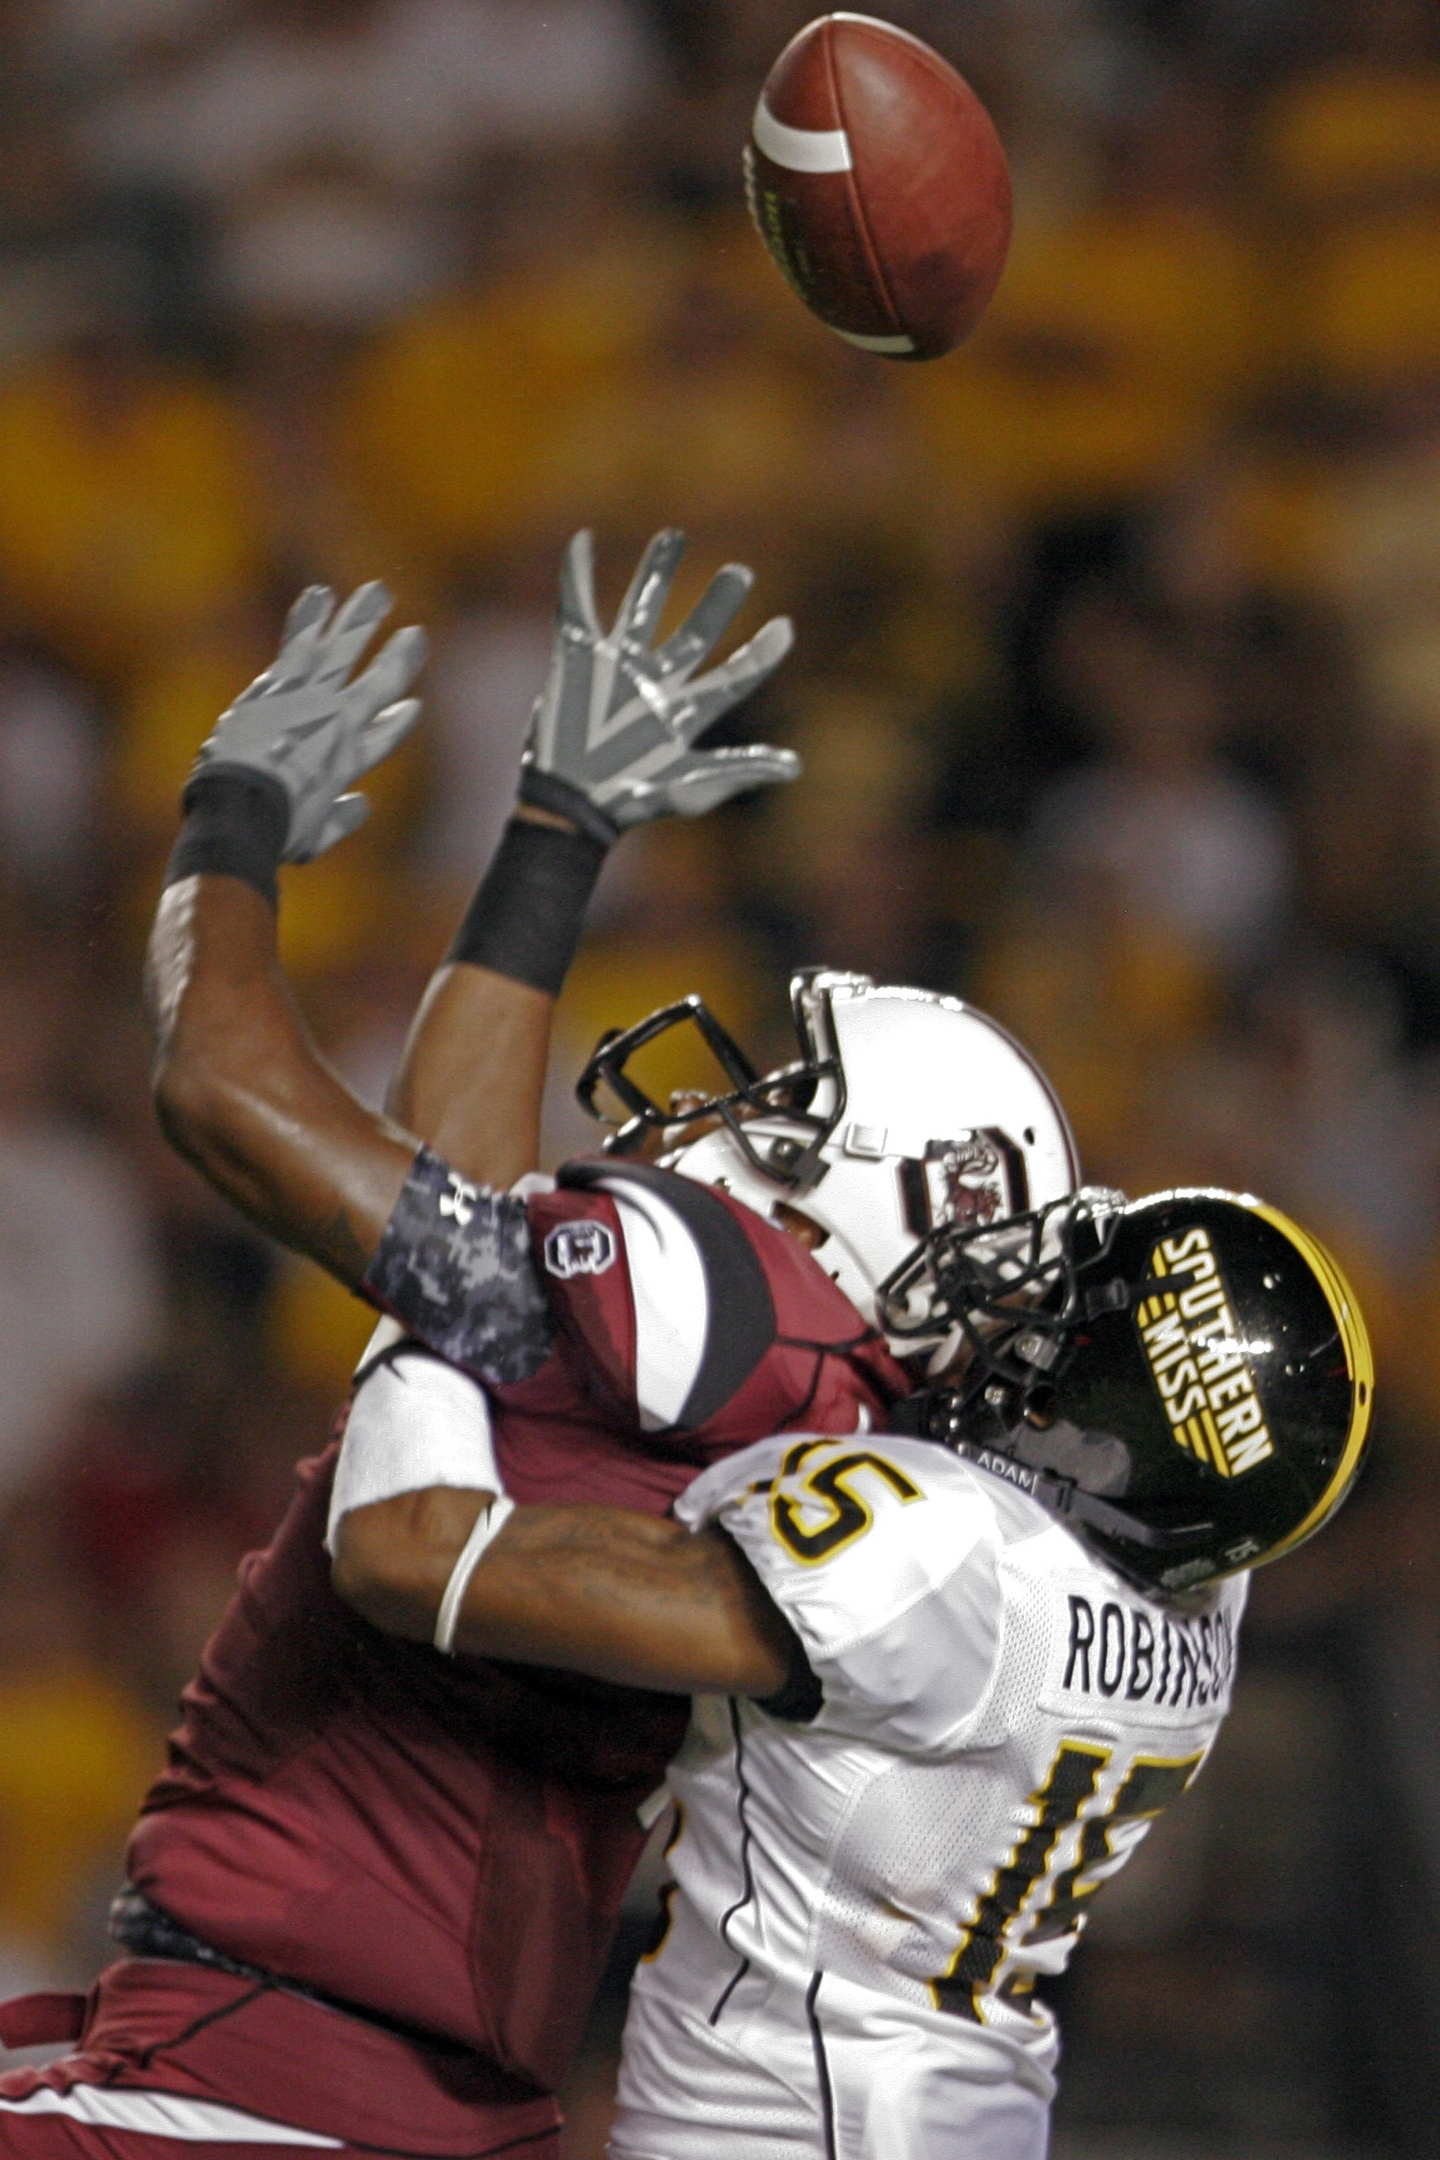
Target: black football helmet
column 1186, row 1377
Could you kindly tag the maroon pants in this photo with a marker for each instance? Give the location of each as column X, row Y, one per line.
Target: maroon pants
column 151, row 2025
column 54, row 2137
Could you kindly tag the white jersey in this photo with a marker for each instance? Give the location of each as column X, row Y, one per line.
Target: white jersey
column 864, row 1895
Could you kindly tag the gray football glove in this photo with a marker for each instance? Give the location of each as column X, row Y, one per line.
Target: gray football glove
column 610, row 742
column 301, row 724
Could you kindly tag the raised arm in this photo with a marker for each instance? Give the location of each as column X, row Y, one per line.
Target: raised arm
column 597, row 1590
column 239, row 1086
column 242, row 1092
column 472, row 1080
column 611, row 745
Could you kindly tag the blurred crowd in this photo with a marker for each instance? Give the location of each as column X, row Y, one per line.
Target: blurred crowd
column 1118, row 689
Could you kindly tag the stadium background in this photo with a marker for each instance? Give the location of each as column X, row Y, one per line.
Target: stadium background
column 1118, row 685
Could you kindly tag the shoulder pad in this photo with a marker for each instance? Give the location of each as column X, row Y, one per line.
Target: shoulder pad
column 741, row 1325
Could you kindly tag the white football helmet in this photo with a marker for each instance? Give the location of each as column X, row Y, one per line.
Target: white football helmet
column 905, row 1112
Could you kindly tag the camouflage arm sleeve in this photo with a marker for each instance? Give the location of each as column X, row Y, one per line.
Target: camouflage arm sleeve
column 455, row 1266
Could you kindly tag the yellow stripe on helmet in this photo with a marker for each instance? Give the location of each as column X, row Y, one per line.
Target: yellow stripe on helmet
column 1359, row 1361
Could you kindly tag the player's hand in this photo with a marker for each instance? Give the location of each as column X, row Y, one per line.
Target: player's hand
column 305, row 726
column 611, row 740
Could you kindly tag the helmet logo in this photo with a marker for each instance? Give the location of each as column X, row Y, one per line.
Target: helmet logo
column 965, row 1183
column 1197, row 1359
column 580, row 1248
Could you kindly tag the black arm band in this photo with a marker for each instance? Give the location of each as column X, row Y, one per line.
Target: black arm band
column 236, row 823
column 526, row 918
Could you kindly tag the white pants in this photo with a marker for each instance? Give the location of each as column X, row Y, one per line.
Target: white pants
column 799, row 2082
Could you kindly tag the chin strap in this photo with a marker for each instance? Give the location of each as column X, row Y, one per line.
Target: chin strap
column 1062, row 1496
column 936, row 1414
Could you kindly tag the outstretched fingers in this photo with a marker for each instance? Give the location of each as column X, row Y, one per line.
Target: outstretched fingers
column 386, row 732
column 706, row 623
column 309, row 612
column 714, row 693
column 390, row 673
column 350, row 632
column 724, row 773
column 644, row 603
column 702, row 780
column 577, row 587
column 304, row 627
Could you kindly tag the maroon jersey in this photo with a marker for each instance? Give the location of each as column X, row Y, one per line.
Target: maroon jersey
column 444, row 1844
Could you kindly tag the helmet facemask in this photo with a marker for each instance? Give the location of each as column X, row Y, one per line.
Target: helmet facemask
column 1184, row 1376
column 1011, row 1300
column 847, row 1134
column 1004, row 1296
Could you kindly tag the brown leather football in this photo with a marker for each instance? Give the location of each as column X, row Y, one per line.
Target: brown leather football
column 879, row 185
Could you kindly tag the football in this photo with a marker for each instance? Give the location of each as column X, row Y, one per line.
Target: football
column 879, row 185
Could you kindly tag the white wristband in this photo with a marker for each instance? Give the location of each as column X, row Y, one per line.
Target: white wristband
column 488, row 1524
